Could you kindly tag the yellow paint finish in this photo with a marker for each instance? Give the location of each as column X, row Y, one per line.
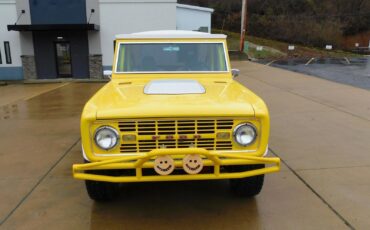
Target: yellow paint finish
column 214, row 159
column 123, row 99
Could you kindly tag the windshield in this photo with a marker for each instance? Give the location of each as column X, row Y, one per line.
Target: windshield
column 171, row 57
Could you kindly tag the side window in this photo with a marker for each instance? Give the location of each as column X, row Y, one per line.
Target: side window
column 8, row 56
column 1, row 59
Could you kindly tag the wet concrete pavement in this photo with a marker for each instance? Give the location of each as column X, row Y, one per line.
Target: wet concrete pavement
column 351, row 71
column 10, row 94
column 35, row 133
column 319, row 128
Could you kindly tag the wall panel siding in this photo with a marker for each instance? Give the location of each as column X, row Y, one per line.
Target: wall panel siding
column 122, row 17
column 94, row 36
column 58, row 11
column 189, row 19
column 11, row 73
column 8, row 15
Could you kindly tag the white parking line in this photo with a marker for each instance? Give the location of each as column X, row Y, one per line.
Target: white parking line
column 347, row 60
column 270, row 62
column 309, row 62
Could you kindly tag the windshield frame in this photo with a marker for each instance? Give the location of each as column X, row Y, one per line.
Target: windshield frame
column 171, row 72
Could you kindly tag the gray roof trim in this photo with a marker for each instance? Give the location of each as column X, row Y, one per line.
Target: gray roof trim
column 205, row 9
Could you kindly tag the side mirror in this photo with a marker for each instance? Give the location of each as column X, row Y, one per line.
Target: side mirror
column 235, row 72
column 107, row 74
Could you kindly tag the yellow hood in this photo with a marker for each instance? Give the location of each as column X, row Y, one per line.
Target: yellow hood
column 126, row 99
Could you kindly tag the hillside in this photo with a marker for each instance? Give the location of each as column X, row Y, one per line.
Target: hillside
column 306, row 22
column 279, row 50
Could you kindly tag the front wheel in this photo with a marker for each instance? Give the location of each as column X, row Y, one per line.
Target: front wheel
column 249, row 186
column 102, row 191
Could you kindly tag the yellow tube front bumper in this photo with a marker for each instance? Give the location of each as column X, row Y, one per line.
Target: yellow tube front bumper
column 211, row 158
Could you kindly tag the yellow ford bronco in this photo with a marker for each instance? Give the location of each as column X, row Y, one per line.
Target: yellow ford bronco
column 173, row 112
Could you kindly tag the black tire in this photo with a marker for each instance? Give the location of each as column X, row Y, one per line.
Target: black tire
column 249, row 186
column 102, row 191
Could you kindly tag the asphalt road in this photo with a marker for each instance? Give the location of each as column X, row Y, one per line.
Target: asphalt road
column 321, row 130
column 352, row 71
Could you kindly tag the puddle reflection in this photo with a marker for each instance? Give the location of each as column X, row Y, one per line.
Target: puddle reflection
column 66, row 101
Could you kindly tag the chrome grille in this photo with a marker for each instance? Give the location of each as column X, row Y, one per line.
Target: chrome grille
column 182, row 133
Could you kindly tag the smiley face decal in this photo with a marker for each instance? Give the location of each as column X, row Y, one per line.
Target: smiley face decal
column 192, row 164
column 164, row 165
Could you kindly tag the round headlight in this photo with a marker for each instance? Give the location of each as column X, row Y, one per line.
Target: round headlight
column 106, row 137
column 245, row 134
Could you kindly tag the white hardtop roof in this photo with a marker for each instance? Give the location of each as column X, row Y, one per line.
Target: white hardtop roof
column 170, row 34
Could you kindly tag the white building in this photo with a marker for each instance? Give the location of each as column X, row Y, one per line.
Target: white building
column 193, row 18
column 74, row 39
column 10, row 51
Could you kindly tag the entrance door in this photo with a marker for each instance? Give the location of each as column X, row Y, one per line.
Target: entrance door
column 63, row 58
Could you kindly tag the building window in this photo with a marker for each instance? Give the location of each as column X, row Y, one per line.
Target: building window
column 8, row 56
